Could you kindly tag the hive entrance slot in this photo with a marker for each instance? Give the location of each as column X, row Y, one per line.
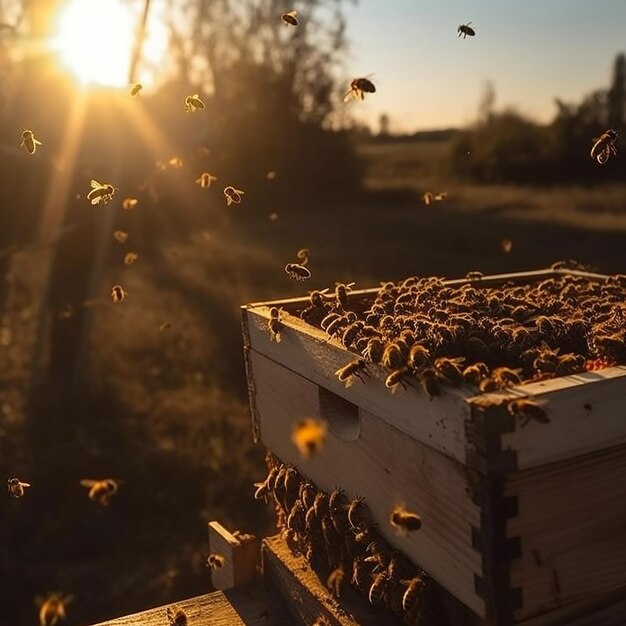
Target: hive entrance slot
column 341, row 415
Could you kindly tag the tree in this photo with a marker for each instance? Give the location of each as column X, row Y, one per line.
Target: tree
column 616, row 96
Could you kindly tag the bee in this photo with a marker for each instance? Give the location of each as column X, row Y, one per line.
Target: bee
column 175, row 162
column 528, row 410
column 16, row 487
column 449, row 370
column 206, row 179
column 411, row 596
column 129, row 203
column 215, row 561
column 379, row 587
column 321, row 504
column 475, row 373
column 165, row 326
column 349, row 372
column 135, row 88
column 361, row 573
column 404, row 521
column 297, row 272
column 321, row 621
column 52, row 609
column 429, row 381
column 392, row 357
column 441, row 196
column 357, row 514
column 358, row 88
column 290, row 18
column 233, row 195
column 130, row 258
column 309, row 436
column 341, row 294
column 101, row 192
column 474, row 275
column 193, row 103
column 419, row 356
column 395, row 379
column 336, row 581
column 118, row 294
column 275, row 325
column 428, row 198
column 101, row 491
column 273, row 217
column 465, row 30
column 604, row 146
column 264, row 488
column 335, row 500
column 506, row 245
column 505, row 376
column 374, row 350
column 120, row 236
column 29, row 142
column 176, row 616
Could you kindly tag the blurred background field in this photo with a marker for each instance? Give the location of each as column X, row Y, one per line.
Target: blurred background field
column 152, row 390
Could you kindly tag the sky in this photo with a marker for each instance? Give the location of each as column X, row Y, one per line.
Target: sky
column 533, row 51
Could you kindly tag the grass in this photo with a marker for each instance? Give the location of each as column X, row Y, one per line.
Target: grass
column 166, row 410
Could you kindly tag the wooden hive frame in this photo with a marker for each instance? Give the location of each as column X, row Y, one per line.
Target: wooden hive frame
column 504, row 507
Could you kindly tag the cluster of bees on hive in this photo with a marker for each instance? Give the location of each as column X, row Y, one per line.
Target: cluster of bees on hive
column 341, row 544
column 490, row 337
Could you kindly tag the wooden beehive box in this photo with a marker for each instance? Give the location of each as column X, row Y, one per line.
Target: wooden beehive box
column 523, row 524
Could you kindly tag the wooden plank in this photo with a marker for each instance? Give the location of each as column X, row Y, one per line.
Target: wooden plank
column 258, row 605
column 386, row 467
column 308, row 598
column 241, row 556
column 439, row 422
column 585, row 412
column 572, row 524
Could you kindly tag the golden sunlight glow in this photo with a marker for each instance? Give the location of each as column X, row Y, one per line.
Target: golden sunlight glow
column 95, row 40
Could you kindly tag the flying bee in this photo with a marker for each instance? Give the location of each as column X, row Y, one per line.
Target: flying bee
column 29, row 142
column 206, row 179
column 506, row 245
column 101, row 192
column 215, row 561
column 379, row 587
column 412, row 594
column 528, row 410
column 120, row 236
column 474, row 275
column 404, row 521
column 297, row 272
column 16, row 487
column 52, row 609
column 275, row 325
column 101, row 491
column 290, row 18
column 428, row 198
column 129, row 203
column 441, row 196
column 130, row 258
column 358, row 88
column 176, row 616
column 466, row 30
column 309, row 436
column 118, row 294
column 604, row 146
column 233, row 196
column 135, row 88
column 193, row 103
column 349, row 372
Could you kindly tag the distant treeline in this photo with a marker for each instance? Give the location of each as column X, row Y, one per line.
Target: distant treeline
column 507, row 147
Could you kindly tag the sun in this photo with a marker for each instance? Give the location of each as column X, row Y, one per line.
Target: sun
column 94, row 39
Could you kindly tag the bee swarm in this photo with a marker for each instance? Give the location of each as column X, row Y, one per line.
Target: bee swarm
column 342, row 546
column 487, row 336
